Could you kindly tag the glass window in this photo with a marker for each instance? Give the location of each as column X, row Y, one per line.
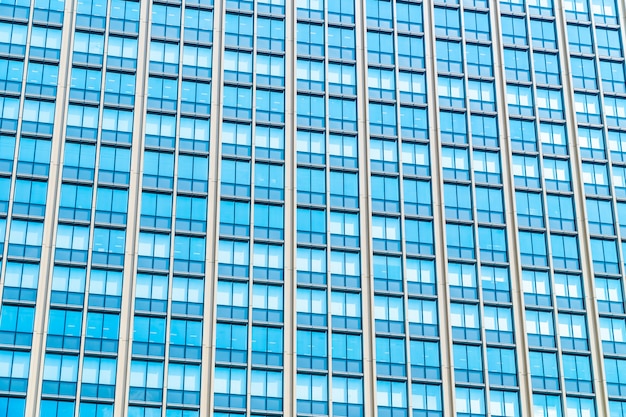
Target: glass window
column 517, row 65
column 564, row 252
column 544, row 371
column 453, row 127
column 533, row 248
column 447, row 22
column 556, row 174
column 341, row 44
column 476, row 25
column 503, row 403
column 513, row 30
column 486, row 167
column 479, row 61
column 612, row 76
column 583, row 73
column 549, row 103
column 449, row 56
column 468, row 367
column 588, row 108
column 465, row 321
column 569, row 291
column 579, row 38
column 608, row 42
column 469, row 401
column 609, row 295
column 573, row 331
column 410, row 51
column 60, row 374
column 543, row 33
column 547, row 405
column 391, row 396
column 341, row 11
column 455, row 163
column 520, row 100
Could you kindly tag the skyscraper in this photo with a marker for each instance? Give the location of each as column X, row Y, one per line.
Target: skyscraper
column 346, row 208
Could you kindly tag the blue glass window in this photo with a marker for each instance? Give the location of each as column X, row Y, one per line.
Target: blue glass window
column 342, row 116
column 410, row 51
column 25, row 239
column 391, row 398
column 85, row 84
column 543, row 34
column 146, row 381
column 60, row 374
column 41, row 79
column 544, row 371
column 311, row 110
column 579, row 38
column 476, row 25
column 540, row 328
column 311, row 265
column 449, row 57
column 479, row 61
column 233, row 258
column 498, row 324
column 111, row 205
column 422, row 317
column 346, row 352
column 468, row 367
column 341, row 11
column 310, row 39
column 533, row 248
column 341, row 44
column 516, row 64
column 492, row 244
column 470, row 401
column 312, row 349
column 447, row 22
column 584, row 73
column 270, row 34
column 390, row 357
column 16, row 325
column 267, row 348
column 502, row 369
column 108, row 246
column 609, row 295
column 561, row 212
column 513, row 30
column 37, row 117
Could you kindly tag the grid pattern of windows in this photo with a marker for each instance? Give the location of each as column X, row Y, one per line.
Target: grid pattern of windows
column 329, row 320
column 597, row 106
column 261, row 207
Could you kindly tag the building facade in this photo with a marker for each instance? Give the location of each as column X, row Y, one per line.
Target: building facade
column 391, row 208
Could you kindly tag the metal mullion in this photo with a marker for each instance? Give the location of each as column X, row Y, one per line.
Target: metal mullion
column 170, row 275
column 367, row 292
column 289, row 210
column 515, row 266
column 439, row 218
column 253, row 88
column 133, row 225
column 327, row 170
column 402, row 218
column 38, row 348
column 213, row 209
